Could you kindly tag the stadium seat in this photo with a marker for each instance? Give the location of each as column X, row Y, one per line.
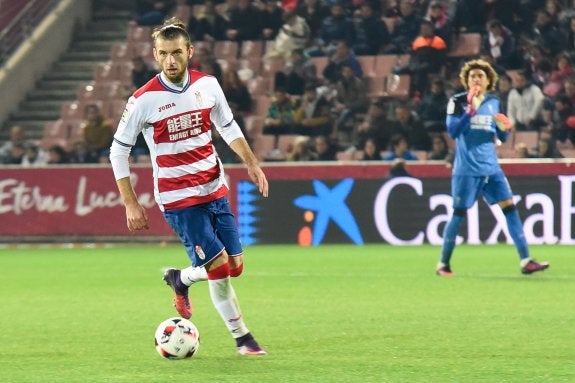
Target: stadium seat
column 260, row 85
column 367, row 65
column 394, row 86
column 254, row 125
column 465, row 45
column 384, row 64
column 138, row 33
column 420, row 154
column 320, row 64
column 183, row 12
column 529, row 138
column 272, row 66
column 344, row 156
column 286, row 142
column 262, row 145
column 252, row 49
column 226, row 49
column 262, row 104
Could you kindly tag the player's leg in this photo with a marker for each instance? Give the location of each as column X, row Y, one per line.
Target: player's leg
column 498, row 189
column 464, row 190
column 219, row 272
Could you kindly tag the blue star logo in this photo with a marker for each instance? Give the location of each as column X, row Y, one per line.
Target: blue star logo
column 329, row 205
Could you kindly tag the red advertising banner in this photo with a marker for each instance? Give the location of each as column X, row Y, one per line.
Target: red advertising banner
column 83, row 202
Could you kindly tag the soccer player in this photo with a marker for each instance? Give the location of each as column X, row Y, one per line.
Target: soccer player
column 175, row 111
column 474, row 121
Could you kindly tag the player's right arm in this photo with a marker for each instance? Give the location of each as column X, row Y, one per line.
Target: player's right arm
column 124, row 139
column 458, row 117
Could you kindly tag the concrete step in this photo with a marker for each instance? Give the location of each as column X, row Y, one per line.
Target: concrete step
column 34, row 128
column 84, row 76
column 95, row 56
column 53, row 94
column 36, row 114
column 41, row 105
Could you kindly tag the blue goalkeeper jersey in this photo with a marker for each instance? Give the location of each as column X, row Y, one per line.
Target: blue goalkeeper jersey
column 475, row 150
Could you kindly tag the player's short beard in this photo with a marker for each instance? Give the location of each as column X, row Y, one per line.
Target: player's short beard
column 178, row 78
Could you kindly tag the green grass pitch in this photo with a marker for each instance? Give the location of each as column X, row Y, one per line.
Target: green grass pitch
column 373, row 313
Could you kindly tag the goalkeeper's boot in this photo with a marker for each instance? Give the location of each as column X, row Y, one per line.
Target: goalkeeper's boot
column 247, row 345
column 444, row 271
column 181, row 300
column 533, row 267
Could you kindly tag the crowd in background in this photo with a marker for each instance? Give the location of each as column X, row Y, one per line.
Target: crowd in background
column 530, row 43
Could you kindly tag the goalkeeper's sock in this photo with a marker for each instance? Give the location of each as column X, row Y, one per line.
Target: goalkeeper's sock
column 516, row 231
column 225, row 300
column 191, row 275
column 450, row 237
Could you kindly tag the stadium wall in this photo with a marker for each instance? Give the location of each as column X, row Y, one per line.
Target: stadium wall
column 308, row 205
column 35, row 55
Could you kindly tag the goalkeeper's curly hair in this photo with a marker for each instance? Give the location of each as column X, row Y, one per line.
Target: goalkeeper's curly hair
column 484, row 66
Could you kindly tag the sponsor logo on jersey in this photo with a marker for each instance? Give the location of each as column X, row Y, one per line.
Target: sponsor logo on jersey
column 166, row 107
column 185, row 126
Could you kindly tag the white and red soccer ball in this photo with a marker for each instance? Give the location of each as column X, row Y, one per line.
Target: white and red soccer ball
column 177, row 338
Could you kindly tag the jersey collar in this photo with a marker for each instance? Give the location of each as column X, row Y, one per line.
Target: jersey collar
column 171, row 87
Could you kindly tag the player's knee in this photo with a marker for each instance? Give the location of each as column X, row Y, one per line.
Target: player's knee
column 508, row 209
column 459, row 212
column 237, row 271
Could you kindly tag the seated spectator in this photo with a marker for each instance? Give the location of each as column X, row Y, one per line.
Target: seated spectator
column 272, row 19
column 503, row 87
column 439, row 149
column 141, row 73
column 439, row 16
column 236, row 91
column 336, row 27
column 98, row 131
column 57, row 155
column 81, row 154
column 371, row 33
column 301, row 150
column 561, row 122
column 154, row 14
column 399, row 150
column 209, row 26
column 407, row 123
column 314, row 12
column 398, row 169
column 406, row 29
column 280, row 117
column 296, row 74
column 525, row 104
column 17, row 137
column 342, row 55
column 546, row 148
column 203, row 60
column 431, row 109
column 556, row 81
column 15, row 155
column 351, row 99
column 244, row 22
column 370, row 150
column 313, row 116
column 499, row 44
column 323, row 149
column 34, row 156
column 293, row 35
column 376, row 126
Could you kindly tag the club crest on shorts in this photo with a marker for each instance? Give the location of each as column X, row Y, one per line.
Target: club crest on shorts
column 200, row 252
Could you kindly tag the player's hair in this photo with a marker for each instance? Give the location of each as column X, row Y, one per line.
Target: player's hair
column 172, row 29
column 485, row 67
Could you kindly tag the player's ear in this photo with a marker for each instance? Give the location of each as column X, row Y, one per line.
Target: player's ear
column 155, row 52
column 190, row 51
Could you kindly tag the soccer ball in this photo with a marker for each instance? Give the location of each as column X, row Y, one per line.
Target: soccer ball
column 177, row 338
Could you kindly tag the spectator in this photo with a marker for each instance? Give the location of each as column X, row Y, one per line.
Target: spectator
column 57, row 155
column 296, row 74
column 470, row 16
column 210, row 26
column 237, row 92
column 431, row 109
column 351, row 99
column 522, row 151
column 371, row 33
column 376, row 126
column 203, row 60
column 154, row 12
column 412, row 129
column 313, row 115
column 293, row 35
column 397, row 169
column 342, row 55
column 34, row 156
column 561, row 120
column 504, row 86
column 98, row 131
column 301, row 150
column 556, row 81
column 334, row 28
column 280, row 117
column 440, row 149
column 324, row 150
column 570, row 34
column 141, row 73
column 81, row 154
column 272, row 19
column 15, row 155
column 17, row 137
column 499, row 43
column 547, row 34
column 406, row 29
column 438, row 15
column 245, row 22
column 314, row 12
column 399, row 150
column 525, row 104
column 546, row 148
column 370, row 150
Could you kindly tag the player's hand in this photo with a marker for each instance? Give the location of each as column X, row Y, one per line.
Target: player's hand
column 502, row 122
column 259, row 178
column 136, row 217
column 473, row 101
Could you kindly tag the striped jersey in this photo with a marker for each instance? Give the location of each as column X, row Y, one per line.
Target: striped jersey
column 176, row 123
column 475, row 150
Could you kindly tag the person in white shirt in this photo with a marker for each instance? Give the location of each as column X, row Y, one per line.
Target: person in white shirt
column 525, row 104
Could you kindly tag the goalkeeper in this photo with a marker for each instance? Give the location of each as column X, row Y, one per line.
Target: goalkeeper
column 474, row 121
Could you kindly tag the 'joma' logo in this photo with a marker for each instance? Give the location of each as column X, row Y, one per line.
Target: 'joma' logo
column 167, row 106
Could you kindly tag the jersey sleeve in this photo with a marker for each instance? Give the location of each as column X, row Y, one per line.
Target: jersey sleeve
column 131, row 123
column 222, row 116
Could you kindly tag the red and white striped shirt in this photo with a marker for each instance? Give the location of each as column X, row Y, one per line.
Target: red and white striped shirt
column 176, row 123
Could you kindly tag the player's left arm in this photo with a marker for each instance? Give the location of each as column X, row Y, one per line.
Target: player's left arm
column 241, row 148
column 502, row 123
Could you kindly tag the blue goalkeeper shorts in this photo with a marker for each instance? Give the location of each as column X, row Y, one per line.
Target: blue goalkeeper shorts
column 467, row 189
column 206, row 230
